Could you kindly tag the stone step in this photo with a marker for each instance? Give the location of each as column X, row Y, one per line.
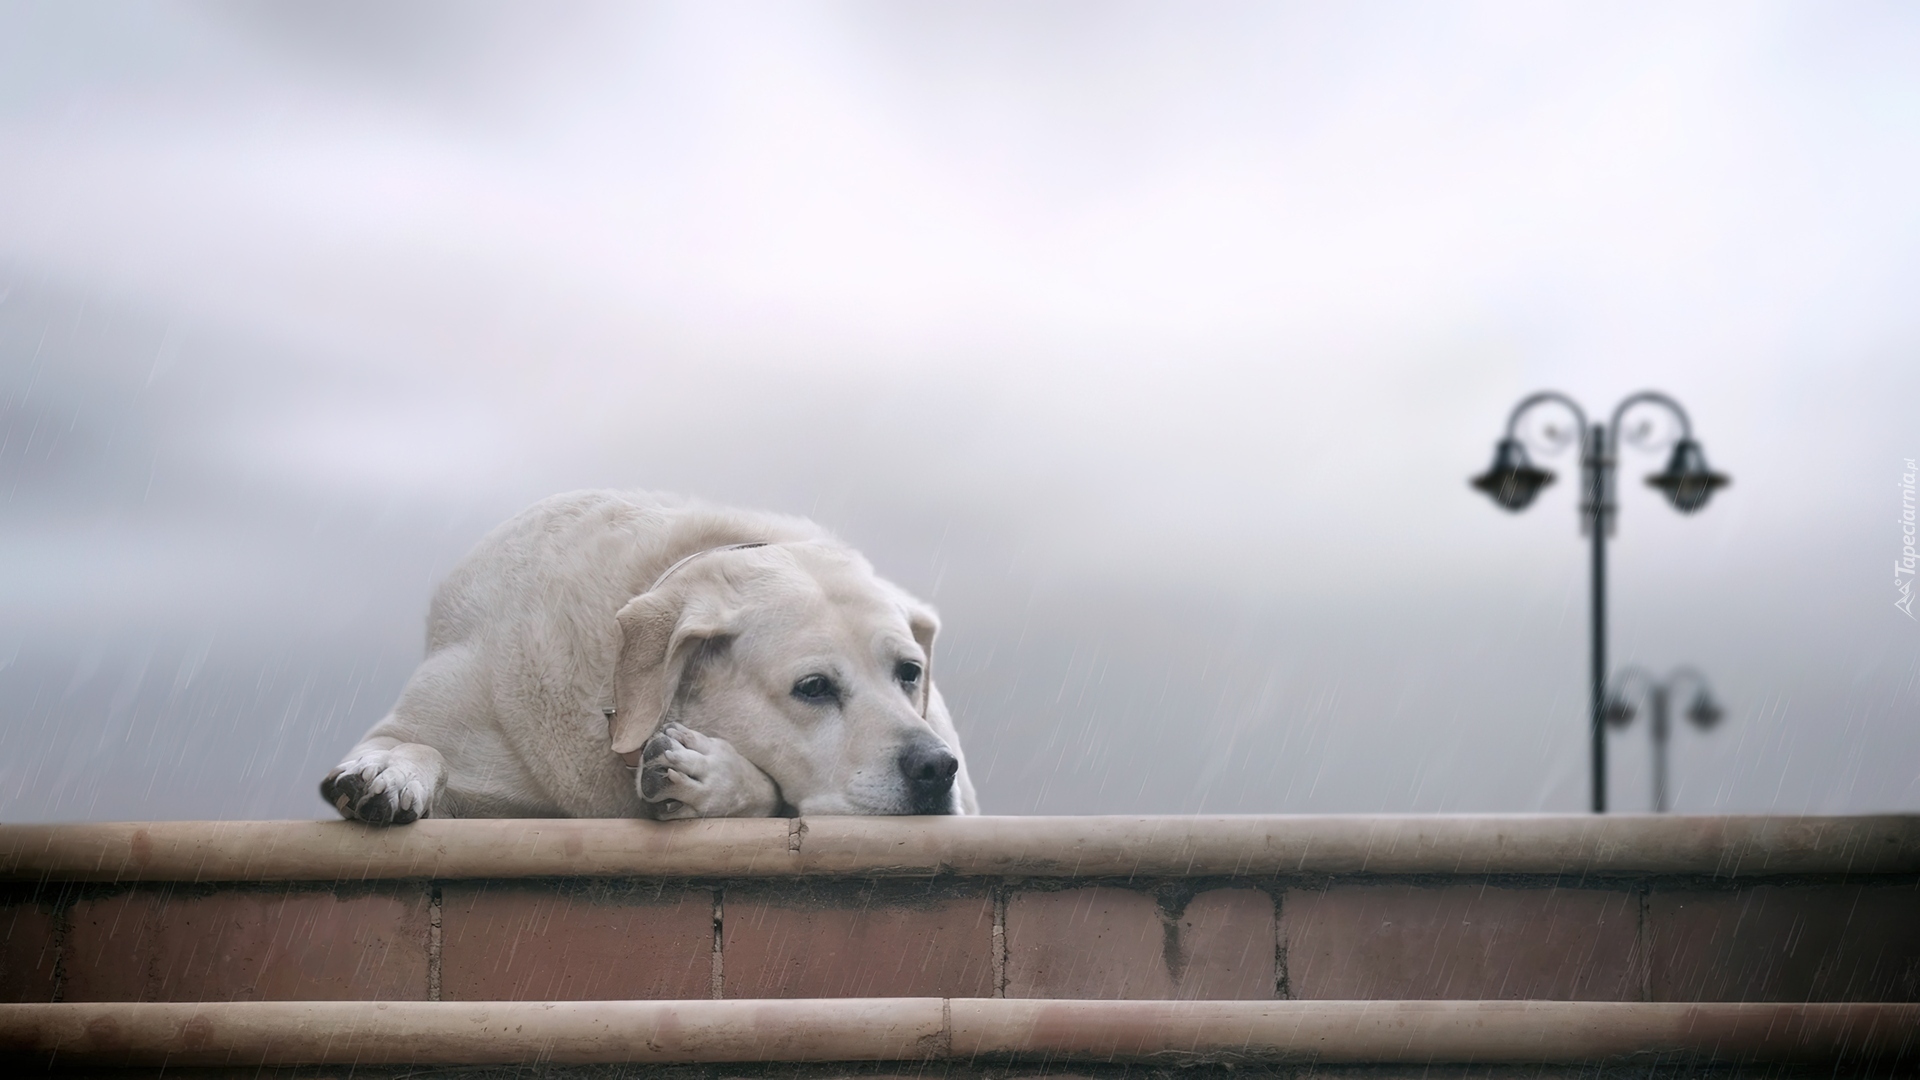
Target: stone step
column 966, row 948
column 244, row 1035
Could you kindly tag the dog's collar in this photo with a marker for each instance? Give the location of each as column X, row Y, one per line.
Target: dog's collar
column 706, row 551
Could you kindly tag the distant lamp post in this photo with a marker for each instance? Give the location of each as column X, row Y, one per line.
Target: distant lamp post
column 1636, row 684
column 1513, row 481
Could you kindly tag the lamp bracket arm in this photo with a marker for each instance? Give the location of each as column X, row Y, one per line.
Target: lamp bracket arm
column 1548, row 397
column 1629, row 679
column 1645, row 397
column 1687, row 676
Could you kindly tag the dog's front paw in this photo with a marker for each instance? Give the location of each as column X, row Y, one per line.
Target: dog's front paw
column 685, row 774
column 385, row 786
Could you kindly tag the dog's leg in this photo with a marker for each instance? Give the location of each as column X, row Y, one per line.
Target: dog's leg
column 687, row 775
column 386, row 782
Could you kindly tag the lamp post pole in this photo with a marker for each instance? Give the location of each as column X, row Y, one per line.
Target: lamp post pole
column 1513, row 481
column 1659, row 733
column 1596, row 474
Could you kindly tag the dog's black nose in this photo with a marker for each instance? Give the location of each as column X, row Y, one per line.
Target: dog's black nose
column 929, row 768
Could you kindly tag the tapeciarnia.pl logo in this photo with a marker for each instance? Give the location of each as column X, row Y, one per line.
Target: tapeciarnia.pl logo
column 1903, row 566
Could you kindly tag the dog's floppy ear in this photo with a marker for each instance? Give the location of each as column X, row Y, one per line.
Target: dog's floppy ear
column 659, row 633
column 924, row 624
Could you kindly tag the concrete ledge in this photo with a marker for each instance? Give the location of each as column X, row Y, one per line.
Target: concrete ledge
column 1065, row 847
column 937, row 1029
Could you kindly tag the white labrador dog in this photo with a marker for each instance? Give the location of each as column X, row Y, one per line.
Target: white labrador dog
column 611, row 654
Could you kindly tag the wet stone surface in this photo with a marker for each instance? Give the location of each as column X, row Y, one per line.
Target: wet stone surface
column 286, row 943
column 1786, row 943
column 30, row 938
column 1107, row 941
column 575, row 941
column 1399, row 941
column 858, row 939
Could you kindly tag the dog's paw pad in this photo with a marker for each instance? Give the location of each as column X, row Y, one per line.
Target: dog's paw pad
column 379, row 789
column 660, row 744
column 687, row 774
column 343, row 790
column 658, row 779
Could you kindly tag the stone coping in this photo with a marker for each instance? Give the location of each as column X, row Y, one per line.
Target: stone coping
column 949, row 1029
column 1730, row 847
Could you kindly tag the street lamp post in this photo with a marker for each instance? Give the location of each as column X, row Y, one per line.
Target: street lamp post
column 1635, row 682
column 1513, row 480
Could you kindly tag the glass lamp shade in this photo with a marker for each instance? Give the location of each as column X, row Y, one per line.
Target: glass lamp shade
column 1687, row 482
column 1512, row 480
column 1704, row 712
column 1618, row 712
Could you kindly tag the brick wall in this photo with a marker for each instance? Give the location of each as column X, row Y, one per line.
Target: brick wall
column 1831, row 937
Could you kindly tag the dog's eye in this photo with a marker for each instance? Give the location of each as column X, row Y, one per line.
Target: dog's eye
column 815, row 688
column 907, row 672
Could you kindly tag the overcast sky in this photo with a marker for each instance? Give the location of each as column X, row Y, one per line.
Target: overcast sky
column 1153, row 343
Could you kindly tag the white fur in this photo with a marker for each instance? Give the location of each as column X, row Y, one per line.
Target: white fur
column 554, row 619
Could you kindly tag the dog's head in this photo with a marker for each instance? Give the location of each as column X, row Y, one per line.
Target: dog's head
column 807, row 662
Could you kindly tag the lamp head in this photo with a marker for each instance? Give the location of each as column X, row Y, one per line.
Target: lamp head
column 1687, row 482
column 1704, row 712
column 1618, row 711
column 1512, row 480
